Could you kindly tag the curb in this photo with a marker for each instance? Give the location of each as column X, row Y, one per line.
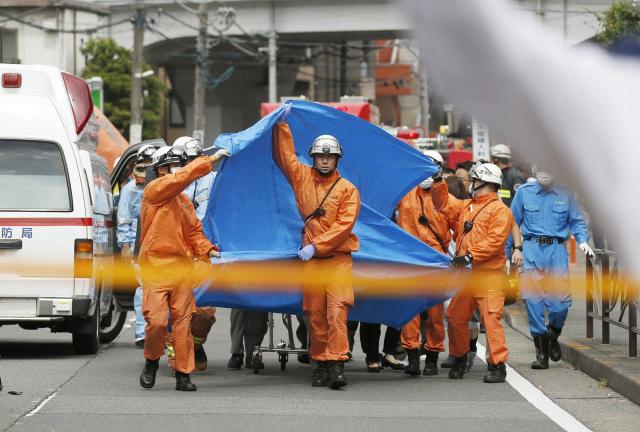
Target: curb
column 606, row 364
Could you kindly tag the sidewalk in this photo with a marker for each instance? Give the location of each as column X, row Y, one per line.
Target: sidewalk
column 608, row 364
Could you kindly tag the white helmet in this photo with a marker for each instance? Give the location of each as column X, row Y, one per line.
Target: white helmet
column 486, row 172
column 192, row 147
column 145, row 153
column 326, row 144
column 435, row 156
column 167, row 155
column 500, row 151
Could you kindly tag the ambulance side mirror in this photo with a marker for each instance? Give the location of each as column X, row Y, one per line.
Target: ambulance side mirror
column 85, row 161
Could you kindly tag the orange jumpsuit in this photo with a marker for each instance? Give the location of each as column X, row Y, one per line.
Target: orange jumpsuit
column 327, row 306
column 171, row 238
column 486, row 242
column 414, row 205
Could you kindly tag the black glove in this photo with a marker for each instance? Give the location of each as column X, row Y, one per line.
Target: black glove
column 462, row 261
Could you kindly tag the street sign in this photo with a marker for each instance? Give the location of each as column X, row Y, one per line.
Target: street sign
column 481, row 141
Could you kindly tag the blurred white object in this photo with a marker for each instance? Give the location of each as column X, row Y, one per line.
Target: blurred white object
column 584, row 247
column 573, row 111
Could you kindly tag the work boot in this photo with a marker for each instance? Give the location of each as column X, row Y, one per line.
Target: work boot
column 235, row 362
column 458, row 368
column 448, row 363
column 319, row 375
column 555, row 352
column 497, row 374
column 148, row 375
column 413, row 368
column 183, row 382
column 336, row 375
column 200, row 357
column 542, row 352
column 471, row 358
column 431, row 363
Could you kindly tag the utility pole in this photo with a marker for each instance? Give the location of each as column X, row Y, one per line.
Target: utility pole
column 135, row 129
column 199, row 90
column 273, row 77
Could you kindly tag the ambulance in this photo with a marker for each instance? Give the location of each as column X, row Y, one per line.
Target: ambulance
column 56, row 209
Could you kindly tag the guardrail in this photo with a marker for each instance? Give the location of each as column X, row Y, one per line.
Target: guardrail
column 607, row 288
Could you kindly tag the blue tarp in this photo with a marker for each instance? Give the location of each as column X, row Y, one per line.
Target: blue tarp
column 252, row 213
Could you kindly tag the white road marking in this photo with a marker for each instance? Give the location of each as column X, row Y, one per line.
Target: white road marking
column 39, row 407
column 538, row 399
column 127, row 326
column 132, row 319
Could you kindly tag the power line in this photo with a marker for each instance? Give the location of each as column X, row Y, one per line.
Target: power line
column 91, row 30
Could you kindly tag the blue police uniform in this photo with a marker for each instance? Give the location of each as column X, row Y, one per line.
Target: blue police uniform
column 198, row 193
column 130, row 199
column 545, row 218
column 128, row 214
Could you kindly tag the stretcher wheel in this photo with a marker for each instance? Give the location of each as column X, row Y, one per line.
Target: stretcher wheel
column 284, row 358
column 257, row 362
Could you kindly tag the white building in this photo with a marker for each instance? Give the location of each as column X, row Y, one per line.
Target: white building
column 46, row 32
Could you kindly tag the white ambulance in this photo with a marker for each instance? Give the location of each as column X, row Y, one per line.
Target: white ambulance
column 56, row 210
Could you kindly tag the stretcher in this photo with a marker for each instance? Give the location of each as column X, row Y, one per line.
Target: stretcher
column 283, row 348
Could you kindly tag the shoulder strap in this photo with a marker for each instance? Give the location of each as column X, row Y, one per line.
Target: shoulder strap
column 320, row 211
column 473, row 220
column 426, row 219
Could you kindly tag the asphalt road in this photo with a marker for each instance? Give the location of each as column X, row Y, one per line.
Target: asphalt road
column 102, row 393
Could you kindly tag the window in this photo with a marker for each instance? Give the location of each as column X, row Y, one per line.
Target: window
column 33, row 177
column 9, row 45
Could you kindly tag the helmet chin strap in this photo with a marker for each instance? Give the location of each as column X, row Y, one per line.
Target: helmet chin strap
column 324, row 173
column 473, row 189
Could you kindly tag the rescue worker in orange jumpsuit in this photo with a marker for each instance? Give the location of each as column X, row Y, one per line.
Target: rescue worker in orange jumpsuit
column 483, row 227
column 417, row 215
column 329, row 206
column 171, row 238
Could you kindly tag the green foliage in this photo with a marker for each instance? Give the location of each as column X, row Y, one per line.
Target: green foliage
column 621, row 23
column 113, row 63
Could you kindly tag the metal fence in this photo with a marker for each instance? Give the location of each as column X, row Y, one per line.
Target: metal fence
column 610, row 296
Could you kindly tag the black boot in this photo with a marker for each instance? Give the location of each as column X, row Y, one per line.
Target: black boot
column 555, row 352
column 431, row 363
column 413, row 368
column 183, row 382
column 200, row 357
column 542, row 352
column 458, row 368
column 497, row 374
column 448, row 363
column 336, row 375
column 236, row 360
column 319, row 375
column 148, row 375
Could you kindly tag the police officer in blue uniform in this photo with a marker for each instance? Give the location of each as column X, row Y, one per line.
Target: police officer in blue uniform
column 545, row 213
column 128, row 214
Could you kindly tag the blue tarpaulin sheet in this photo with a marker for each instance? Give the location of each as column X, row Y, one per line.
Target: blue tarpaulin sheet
column 252, row 212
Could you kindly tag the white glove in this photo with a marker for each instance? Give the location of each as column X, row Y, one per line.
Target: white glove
column 307, row 252
column 584, row 247
column 221, row 153
column 214, row 254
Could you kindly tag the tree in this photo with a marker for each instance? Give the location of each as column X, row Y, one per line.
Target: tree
column 620, row 24
column 113, row 63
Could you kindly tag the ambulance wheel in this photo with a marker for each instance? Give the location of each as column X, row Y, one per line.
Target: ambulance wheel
column 284, row 358
column 86, row 335
column 117, row 319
